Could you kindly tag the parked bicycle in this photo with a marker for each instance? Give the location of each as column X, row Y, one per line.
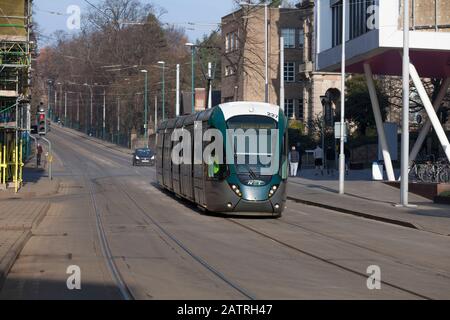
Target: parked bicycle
column 430, row 171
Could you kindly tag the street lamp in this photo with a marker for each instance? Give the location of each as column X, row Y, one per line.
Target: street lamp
column 49, row 110
column 266, row 43
column 145, row 72
column 163, row 93
column 342, row 132
column 90, row 120
column 58, row 108
column 192, row 46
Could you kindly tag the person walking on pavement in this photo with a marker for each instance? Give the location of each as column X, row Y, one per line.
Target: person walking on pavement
column 294, row 159
column 331, row 160
column 318, row 159
column 347, row 159
column 300, row 153
column 38, row 154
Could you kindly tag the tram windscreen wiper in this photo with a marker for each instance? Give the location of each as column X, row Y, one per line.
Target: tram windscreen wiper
column 251, row 173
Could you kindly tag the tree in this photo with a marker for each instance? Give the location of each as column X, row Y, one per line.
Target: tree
column 358, row 106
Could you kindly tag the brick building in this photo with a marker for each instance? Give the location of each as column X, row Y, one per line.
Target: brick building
column 243, row 61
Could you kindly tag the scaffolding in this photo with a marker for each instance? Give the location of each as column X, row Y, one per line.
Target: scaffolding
column 15, row 68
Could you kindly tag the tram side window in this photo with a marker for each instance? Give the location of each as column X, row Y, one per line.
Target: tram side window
column 215, row 169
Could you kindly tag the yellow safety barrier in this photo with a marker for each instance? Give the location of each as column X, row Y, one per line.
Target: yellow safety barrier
column 11, row 162
column 3, row 164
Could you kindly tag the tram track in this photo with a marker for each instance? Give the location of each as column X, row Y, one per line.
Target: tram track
column 245, row 293
column 125, row 291
column 265, row 235
column 322, row 259
column 356, row 245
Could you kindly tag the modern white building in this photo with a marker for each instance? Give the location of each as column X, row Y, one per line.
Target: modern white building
column 374, row 44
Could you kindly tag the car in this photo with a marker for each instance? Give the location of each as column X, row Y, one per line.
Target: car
column 143, row 156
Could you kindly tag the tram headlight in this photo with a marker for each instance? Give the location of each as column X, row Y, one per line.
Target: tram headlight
column 272, row 191
column 236, row 190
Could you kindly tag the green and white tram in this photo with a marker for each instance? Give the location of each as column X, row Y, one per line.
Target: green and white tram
column 246, row 185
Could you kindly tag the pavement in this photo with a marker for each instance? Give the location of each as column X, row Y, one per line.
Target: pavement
column 369, row 199
column 21, row 213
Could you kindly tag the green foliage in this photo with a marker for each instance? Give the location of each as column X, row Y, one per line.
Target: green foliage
column 445, row 194
column 358, row 104
column 297, row 125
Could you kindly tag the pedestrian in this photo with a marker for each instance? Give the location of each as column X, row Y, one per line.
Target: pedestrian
column 331, row 160
column 347, row 160
column 318, row 159
column 38, row 154
column 294, row 159
column 300, row 153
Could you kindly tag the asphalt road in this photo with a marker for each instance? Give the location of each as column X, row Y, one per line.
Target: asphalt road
column 132, row 240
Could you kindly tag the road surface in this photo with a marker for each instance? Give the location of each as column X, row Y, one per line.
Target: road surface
column 132, row 240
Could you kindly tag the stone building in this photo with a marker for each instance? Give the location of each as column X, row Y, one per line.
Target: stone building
column 243, row 61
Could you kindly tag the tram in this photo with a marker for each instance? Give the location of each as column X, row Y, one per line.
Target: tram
column 241, row 183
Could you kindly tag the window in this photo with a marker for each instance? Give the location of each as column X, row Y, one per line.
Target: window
column 336, row 23
column 300, row 115
column 229, row 71
column 359, row 17
column 231, row 41
column 289, row 71
column 301, row 38
column 289, row 37
column 289, row 108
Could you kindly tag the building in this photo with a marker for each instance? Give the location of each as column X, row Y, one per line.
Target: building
column 243, row 61
column 374, row 43
column 15, row 68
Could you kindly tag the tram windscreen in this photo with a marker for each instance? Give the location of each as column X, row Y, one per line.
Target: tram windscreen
column 252, row 145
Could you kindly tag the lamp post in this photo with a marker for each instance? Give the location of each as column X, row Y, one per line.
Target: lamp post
column 404, row 183
column 189, row 44
column 65, row 108
column 163, row 92
column 342, row 132
column 266, row 46
column 104, row 115
column 49, row 110
column 58, row 109
column 145, row 72
column 91, row 111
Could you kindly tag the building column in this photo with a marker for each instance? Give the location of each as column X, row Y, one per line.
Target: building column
column 379, row 122
column 427, row 126
column 430, row 110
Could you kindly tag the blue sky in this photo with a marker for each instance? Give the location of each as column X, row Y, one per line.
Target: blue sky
column 202, row 12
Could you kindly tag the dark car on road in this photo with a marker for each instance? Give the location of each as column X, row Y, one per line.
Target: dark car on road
column 143, row 156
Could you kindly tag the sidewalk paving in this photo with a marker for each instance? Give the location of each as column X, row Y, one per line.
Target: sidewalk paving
column 21, row 212
column 369, row 199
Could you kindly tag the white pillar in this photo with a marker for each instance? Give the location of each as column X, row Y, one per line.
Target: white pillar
column 379, row 122
column 65, row 108
column 210, row 85
column 266, row 53
column 427, row 126
column 177, row 99
column 342, row 141
column 282, row 73
column 430, row 110
column 404, row 183
column 156, row 113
